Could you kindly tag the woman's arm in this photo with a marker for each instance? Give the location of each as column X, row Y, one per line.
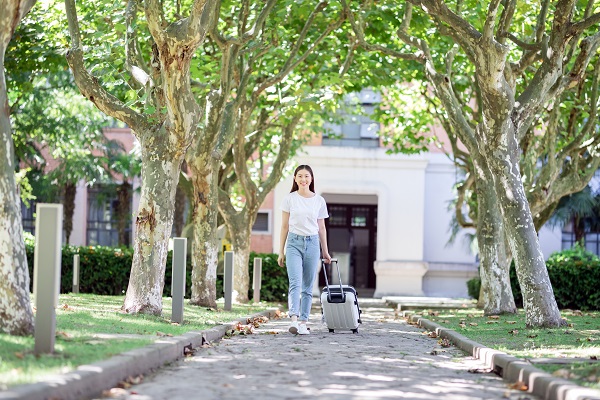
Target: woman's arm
column 323, row 240
column 285, row 226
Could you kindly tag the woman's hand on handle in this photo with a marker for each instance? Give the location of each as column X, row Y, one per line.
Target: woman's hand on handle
column 281, row 260
column 327, row 258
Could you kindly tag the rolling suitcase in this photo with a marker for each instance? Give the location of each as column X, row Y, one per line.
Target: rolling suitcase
column 339, row 304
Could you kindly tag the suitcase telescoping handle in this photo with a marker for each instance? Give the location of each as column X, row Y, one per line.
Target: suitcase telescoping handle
column 333, row 260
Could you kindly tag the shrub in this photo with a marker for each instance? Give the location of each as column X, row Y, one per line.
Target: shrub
column 473, row 287
column 105, row 271
column 274, row 285
column 575, row 277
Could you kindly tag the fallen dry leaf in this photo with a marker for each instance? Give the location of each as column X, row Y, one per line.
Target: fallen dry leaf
column 491, row 322
column 434, row 313
column 532, row 336
column 188, row 350
column 564, row 373
column 444, row 342
column 472, row 323
column 511, row 322
column 519, row 386
column 514, row 332
column 114, row 392
column 63, row 335
column 19, row 355
column 432, row 335
column 161, row 334
column 493, row 317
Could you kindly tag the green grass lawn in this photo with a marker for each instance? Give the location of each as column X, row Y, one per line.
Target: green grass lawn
column 507, row 333
column 91, row 328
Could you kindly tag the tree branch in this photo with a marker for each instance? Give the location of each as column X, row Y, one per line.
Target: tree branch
column 154, row 16
column 282, row 157
column 582, row 25
column 133, row 59
column 490, row 21
column 460, row 200
column 203, row 17
column 360, row 36
column 88, row 84
column 290, row 63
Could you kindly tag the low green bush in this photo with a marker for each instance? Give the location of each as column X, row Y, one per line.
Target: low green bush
column 473, row 287
column 274, row 286
column 105, row 271
column 575, row 277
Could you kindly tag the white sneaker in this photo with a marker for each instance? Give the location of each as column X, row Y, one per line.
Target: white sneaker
column 303, row 330
column 294, row 327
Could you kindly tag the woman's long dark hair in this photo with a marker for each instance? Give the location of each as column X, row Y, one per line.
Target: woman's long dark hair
column 311, row 187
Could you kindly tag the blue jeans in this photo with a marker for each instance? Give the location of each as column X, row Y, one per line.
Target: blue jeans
column 302, row 257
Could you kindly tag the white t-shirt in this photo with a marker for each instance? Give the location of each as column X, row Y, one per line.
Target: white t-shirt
column 304, row 213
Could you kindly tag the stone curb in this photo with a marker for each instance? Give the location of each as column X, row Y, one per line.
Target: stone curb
column 512, row 369
column 90, row 380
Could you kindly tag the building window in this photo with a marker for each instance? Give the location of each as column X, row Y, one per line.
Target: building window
column 102, row 224
column 360, row 216
column 262, row 223
column 28, row 217
column 337, row 215
column 355, row 130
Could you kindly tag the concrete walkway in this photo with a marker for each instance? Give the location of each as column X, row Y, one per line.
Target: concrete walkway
column 388, row 358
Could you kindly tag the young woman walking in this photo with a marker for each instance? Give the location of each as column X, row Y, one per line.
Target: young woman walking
column 303, row 228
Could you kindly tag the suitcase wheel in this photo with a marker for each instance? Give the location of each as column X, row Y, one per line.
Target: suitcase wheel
column 355, row 330
column 331, row 330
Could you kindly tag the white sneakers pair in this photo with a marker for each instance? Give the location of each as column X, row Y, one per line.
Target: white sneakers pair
column 299, row 329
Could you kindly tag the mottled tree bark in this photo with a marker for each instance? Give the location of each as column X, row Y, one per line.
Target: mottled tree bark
column 123, row 212
column 205, row 249
column 16, row 314
column 69, row 192
column 165, row 134
column 494, row 260
column 153, row 229
column 241, row 244
column 540, row 305
column 179, row 218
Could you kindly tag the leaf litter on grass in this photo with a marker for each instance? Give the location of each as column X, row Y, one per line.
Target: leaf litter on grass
column 580, row 339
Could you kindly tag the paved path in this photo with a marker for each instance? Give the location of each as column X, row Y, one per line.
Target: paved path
column 387, row 359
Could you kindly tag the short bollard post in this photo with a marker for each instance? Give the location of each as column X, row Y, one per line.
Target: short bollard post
column 228, row 280
column 256, row 279
column 178, row 279
column 76, row 273
column 46, row 265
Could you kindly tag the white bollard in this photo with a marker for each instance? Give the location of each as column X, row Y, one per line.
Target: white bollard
column 46, row 265
column 228, row 280
column 256, row 279
column 178, row 279
column 76, row 273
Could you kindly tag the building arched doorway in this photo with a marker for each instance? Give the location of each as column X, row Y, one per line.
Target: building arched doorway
column 352, row 239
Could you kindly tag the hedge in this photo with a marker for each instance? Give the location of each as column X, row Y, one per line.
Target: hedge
column 575, row 278
column 105, row 271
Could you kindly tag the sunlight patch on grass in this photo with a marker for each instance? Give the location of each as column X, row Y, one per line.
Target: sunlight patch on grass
column 88, row 328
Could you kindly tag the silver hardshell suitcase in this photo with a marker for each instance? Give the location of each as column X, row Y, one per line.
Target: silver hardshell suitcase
column 339, row 304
